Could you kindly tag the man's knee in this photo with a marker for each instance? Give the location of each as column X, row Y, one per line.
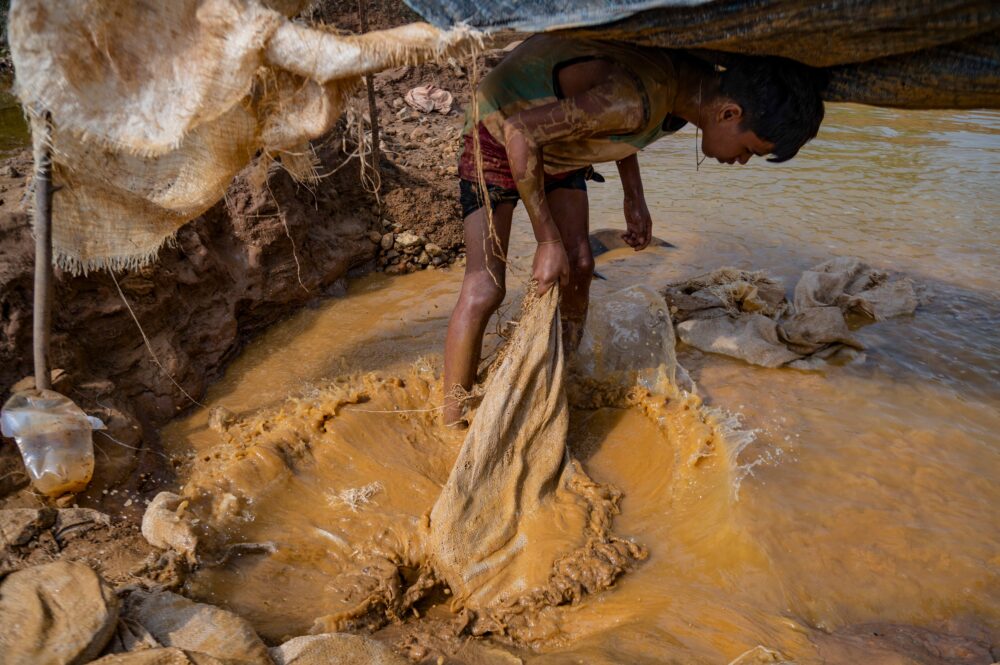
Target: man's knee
column 482, row 295
column 581, row 267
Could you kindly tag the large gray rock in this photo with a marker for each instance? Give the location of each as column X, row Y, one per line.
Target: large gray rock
column 335, row 649
column 175, row 621
column 61, row 613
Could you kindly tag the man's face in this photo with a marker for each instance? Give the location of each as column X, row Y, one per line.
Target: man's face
column 727, row 142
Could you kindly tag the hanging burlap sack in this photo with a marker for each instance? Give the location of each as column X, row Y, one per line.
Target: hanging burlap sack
column 155, row 106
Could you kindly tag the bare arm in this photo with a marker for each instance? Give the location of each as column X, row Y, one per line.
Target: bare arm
column 639, row 224
column 614, row 106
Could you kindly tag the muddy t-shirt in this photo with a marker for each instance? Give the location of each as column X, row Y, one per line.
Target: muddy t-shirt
column 528, row 77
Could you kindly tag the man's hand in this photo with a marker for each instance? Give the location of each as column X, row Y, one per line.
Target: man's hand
column 551, row 265
column 638, row 223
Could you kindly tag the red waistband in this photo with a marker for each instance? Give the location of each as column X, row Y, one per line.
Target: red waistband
column 496, row 168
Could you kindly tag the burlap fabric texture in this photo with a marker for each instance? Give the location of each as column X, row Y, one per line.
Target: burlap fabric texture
column 519, row 524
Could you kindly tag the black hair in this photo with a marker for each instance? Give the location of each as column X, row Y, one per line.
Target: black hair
column 781, row 100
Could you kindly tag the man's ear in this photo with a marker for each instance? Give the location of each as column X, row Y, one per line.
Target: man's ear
column 729, row 112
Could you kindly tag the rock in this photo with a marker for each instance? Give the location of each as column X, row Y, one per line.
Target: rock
column 419, row 132
column 375, row 236
column 165, row 527
column 391, row 254
column 175, row 621
column 407, row 239
column 335, row 649
column 220, row 419
column 387, row 241
column 10, row 171
column 13, row 475
column 163, row 656
column 437, row 260
column 59, row 378
column 72, row 523
column 19, row 526
column 61, row 613
column 433, row 250
column 423, row 259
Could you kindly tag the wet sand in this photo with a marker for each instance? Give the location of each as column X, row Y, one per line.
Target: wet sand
column 865, row 493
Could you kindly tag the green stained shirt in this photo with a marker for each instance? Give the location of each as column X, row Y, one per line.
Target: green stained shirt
column 528, row 77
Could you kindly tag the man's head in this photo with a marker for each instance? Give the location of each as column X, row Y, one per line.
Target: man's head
column 764, row 106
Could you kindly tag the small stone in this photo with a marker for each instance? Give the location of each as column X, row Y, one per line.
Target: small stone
column 437, row 260
column 10, row 171
column 375, row 237
column 418, row 133
column 397, row 103
column 220, row 418
column 387, row 240
column 18, row 526
column 423, row 259
column 408, row 239
column 391, row 254
column 433, row 250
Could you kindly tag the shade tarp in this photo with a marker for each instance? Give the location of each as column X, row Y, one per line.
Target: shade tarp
column 902, row 53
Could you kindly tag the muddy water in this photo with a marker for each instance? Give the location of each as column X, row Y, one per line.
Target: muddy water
column 865, row 493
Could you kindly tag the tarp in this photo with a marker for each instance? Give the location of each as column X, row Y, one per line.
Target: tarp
column 902, row 53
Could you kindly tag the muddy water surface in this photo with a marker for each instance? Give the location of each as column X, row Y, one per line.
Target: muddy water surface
column 865, row 493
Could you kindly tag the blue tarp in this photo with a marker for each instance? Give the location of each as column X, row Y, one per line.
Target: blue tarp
column 905, row 53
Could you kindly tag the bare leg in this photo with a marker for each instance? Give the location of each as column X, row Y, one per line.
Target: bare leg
column 571, row 213
column 483, row 290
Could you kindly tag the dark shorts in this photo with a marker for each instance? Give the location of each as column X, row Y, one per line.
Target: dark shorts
column 472, row 199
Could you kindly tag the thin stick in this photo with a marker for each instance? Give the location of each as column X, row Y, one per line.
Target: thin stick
column 370, row 84
column 42, row 324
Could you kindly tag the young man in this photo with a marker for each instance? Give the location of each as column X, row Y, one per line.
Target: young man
column 554, row 107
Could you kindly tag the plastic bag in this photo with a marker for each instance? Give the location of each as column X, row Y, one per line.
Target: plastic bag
column 54, row 436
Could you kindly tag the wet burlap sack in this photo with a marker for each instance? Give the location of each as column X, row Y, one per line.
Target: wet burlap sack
column 745, row 315
column 519, row 524
column 335, row 649
column 155, row 106
column 61, row 613
column 174, row 621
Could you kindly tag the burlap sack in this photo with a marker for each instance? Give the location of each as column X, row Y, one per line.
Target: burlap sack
column 519, row 525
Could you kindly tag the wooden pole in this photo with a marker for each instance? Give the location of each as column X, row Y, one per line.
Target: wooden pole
column 370, row 85
column 42, row 324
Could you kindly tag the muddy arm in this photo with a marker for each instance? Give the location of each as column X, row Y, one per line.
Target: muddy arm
column 639, row 224
column 323, row 56
column 610, row 108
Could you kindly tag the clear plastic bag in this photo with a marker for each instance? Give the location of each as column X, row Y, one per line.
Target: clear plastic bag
column 55, row 438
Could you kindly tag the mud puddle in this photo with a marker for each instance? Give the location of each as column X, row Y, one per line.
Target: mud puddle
column 845, row 514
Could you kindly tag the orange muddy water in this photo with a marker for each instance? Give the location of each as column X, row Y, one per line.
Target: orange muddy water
column 864, row 494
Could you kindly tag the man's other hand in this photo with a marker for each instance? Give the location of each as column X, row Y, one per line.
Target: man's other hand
column 638, row 223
